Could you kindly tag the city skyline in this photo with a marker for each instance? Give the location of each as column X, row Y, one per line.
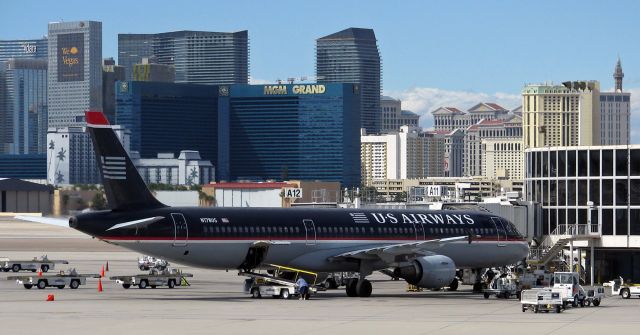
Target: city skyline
column 433, row 55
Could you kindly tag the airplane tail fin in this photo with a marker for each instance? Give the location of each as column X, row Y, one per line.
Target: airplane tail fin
column 123, row 185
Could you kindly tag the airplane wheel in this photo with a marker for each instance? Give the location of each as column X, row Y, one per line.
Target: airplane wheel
column 364, row 288
column 351, row 288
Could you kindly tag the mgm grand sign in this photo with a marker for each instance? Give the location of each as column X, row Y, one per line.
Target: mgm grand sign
column 295, row 89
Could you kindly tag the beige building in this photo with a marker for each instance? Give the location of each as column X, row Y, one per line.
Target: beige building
column 501, row 130
column 393, row 117
column 561, row 115
column 503, row 159
column 464, row 188
column 409, row 153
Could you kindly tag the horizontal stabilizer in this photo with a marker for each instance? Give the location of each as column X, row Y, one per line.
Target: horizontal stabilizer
column 40, row 219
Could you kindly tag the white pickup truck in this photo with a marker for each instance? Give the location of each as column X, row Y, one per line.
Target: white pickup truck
column 568, row 285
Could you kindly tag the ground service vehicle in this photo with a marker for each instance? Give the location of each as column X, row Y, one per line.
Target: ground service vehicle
column 43, row 263
column 277, row 286
column 625, row 290
column 538, row 300
column 503, row 287
column 568, row 284
column 169, row 278
column 69, row 278
column 146, row 263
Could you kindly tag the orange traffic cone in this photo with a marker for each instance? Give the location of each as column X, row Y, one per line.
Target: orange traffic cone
column 100, row 285
column 107, row 267
column 40, row 273
column 102, row 272
column 50, row 297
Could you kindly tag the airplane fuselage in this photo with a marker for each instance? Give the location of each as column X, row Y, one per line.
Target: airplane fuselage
column 221, row 238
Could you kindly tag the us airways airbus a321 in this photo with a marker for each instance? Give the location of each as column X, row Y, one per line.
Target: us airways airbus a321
column 421, row 246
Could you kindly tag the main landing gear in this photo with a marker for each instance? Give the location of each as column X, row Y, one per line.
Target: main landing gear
column 359, row 288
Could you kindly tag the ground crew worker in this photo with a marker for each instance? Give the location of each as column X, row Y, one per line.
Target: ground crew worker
column 303, row 288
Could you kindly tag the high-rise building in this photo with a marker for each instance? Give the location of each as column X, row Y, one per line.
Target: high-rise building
column 615, row 109
column 290, row 132
column 453, row 162
column 132, row 48
column 199, row 57
column 32, row 48
column 25, row 106
column 352, row 56
column 149, row 71
column 111, row 73
column 393, row 117
column 406, row 154
column 495, row 131
column 561, row 115
column 15, row 49
column 169, row 117
column 75, row 71
column 450, row 118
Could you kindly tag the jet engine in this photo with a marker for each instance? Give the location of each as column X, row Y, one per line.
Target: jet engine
column 429, row 271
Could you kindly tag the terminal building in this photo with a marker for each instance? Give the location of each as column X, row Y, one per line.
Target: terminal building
column 295, row 131
column 597, row 187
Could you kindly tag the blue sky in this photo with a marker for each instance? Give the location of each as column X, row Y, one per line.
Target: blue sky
column 434, row 52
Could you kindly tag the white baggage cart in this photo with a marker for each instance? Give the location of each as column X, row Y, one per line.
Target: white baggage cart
column 538, row 300
column 69, row 278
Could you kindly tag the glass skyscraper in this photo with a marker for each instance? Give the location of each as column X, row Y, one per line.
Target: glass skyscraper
column 290, row 132
column 351, row 56
column 9, row 101
column 199, row 57
column 26, row 105
column 169, row 117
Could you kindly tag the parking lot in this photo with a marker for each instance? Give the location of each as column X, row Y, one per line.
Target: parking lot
column 215, row 302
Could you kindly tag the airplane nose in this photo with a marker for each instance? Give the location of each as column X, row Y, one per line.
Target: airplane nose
column 73, row 222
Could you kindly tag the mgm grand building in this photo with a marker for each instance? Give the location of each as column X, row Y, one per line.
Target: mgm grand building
column 596, row 188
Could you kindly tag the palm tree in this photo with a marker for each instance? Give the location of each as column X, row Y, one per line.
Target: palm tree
column 193, row 176
column 52, row 146
column 59, row 158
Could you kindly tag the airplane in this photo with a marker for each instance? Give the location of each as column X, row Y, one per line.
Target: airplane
column 423, row 247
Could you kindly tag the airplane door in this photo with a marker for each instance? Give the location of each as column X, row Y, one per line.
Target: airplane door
column 501, row 232
column 420, row 235
column 310, row 231
column 181, row 230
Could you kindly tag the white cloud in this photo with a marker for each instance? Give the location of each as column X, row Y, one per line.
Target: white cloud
column 424, row 100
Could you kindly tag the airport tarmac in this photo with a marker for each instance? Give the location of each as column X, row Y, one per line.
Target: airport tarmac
column 215, row 304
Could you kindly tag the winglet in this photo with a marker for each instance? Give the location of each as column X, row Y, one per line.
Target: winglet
column 96, row 119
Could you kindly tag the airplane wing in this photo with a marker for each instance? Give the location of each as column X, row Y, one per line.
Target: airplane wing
column 46, row 220
column 388, row 253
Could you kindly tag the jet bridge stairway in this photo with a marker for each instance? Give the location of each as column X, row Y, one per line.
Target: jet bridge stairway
column 551, row 248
